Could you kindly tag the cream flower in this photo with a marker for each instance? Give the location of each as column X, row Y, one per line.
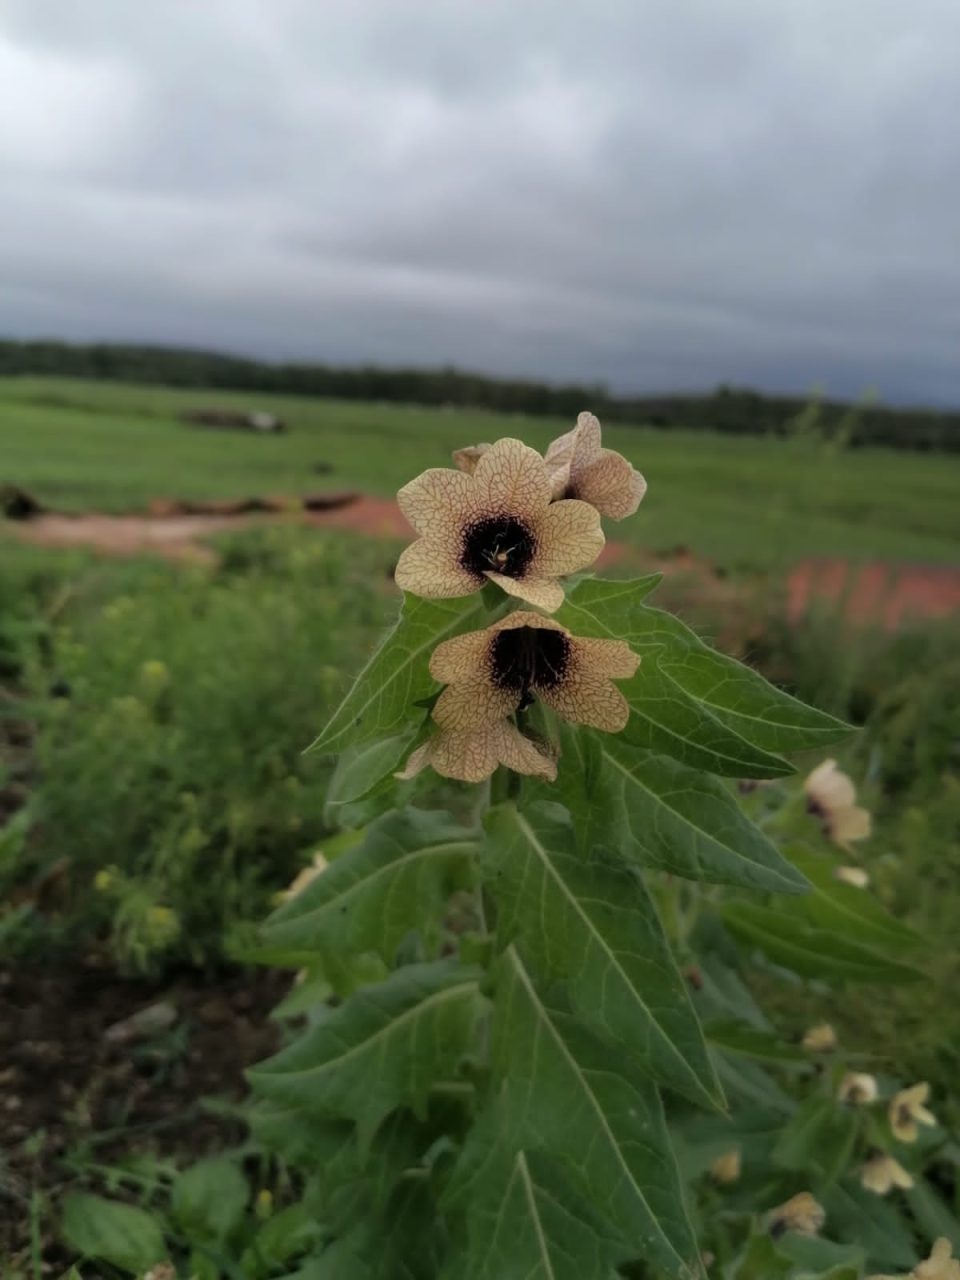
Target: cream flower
column 820, row 1039
column 580, row 468
column 471, row 755
column 831, row 797
column 801, row 1213
column 466, row 459
column 492, row 673
column 881, row 1172
column 726, row 1168
column 941, row 1265
column 497, row 524
column 854, row 876
column 859, row 1088
column 906, row 1111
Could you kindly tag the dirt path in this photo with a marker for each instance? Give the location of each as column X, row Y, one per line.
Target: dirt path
column 884, row 593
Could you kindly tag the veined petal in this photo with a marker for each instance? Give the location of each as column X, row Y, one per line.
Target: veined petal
column 569, row 538
column 586, row 698
column 560, row 451
column 536, row 591
column 416, row 762
column 511, row 477
column 524, row 618
column 520, row 754
column 586, row 442
column 610, row 484
column 612, row 658
column 472, row 704
column 459, row 658
column 427, row 569
column 436, row 501
column 466, row 459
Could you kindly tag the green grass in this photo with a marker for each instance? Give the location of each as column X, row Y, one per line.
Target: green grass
column 741, row 502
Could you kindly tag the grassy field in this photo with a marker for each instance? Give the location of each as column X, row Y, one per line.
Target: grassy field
column 742, row 502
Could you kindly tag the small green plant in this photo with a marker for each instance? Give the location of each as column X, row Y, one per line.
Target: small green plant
column 168, row 709
column 482, row 1097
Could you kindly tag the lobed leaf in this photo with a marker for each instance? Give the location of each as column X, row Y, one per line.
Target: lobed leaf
column 385, row 1046
column 382, row 700
column 573, row 1097
column 587, row 919
column 395, row 880
column 666, row 719
column 526, row 1220
column 739, row 696
column 664, row 815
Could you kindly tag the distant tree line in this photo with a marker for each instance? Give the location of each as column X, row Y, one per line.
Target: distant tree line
column 727, row 409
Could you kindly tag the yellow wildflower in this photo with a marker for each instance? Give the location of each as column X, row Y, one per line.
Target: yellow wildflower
column 820, row 1039
column 726, row 1168
column 859, row 1088
column 831, row 797
column 881, row 1172
column 580, row 468
column 801, row 1213
column 854, row 876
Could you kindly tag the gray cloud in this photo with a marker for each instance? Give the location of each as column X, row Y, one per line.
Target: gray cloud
column 654, row 195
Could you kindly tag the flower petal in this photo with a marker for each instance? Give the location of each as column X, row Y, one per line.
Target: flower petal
column 586, row 442
column 416, row 763
column 435, row 503
column 521, row 755
column 585, row 698
column 536, row 591
column 427, row 569
column 612, row 658
column 459, row 658
column 569, row 538
column 560, row 452
column 850, row 824
column 468, row 757
column 829, row 787
column 511, row 477
column 524, row 618
column 467, row 459
column 610, row 484
column 473, row 704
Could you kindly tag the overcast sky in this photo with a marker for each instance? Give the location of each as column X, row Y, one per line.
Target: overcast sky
column 657, row 194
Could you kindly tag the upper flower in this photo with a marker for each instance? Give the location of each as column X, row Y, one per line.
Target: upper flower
column 580, row 468
column 497, row 524
column 831, row 796
column 492, row 673
column 906, row 1110
column 726, row 1168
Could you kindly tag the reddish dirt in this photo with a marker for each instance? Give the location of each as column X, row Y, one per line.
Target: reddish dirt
column 63, row 1080
column 884, row 593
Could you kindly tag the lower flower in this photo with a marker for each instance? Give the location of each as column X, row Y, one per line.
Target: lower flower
column 471, row 755
column 881, row 1173
column 801, row 1213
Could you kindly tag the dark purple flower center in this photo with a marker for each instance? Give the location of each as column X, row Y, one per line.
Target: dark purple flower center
column 529, row 658
column 500, row 544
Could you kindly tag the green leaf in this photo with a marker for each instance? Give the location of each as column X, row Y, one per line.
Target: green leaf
column 526, row 1221
column 381, row 702
column 666, row 719
column 819, row 1138
column 385, row 1046
column 396, row 879
column 871, row 1222
column 854, row 913
column 933, row 1214
column 665, row 815
column 766, row 716
column 359, row 770
column 822, row 1259
column 750, row 1042
column 284, row 1235
column 208, row 1199
column 121, row 1234
column 588, row 920
column 789, row 940
column 761, row 1260
column 581, row 1101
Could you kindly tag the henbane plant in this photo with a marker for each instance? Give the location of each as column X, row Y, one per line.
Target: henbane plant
column 495, row 1014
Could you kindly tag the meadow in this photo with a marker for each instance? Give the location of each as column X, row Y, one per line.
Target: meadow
column 155, row 798
column 743, row 503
